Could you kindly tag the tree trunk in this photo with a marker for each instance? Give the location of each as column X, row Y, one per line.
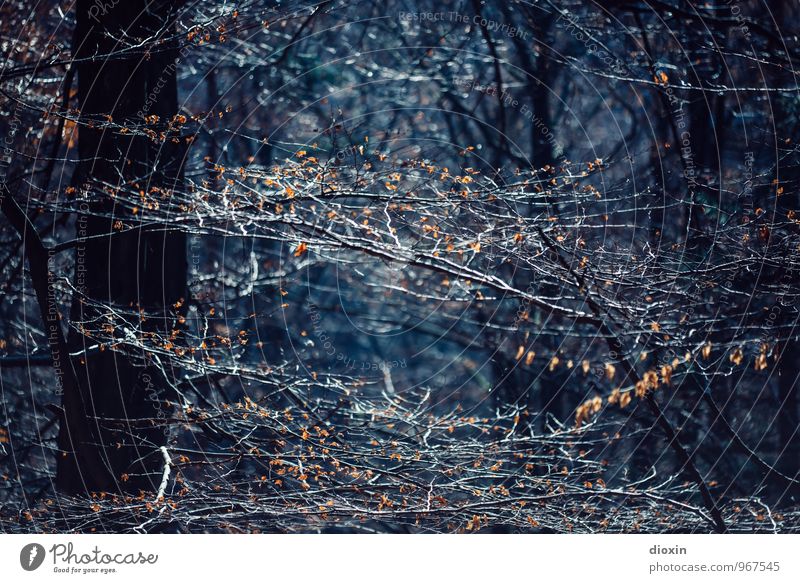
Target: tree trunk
column 139, row 269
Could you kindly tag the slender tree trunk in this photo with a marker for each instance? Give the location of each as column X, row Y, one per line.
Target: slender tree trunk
column 517, row 382
column 785, row 124
column 137, row 269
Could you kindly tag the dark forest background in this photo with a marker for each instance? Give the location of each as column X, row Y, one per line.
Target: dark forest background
column 399, row 266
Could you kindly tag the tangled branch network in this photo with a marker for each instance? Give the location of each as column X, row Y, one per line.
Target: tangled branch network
column 400, row 267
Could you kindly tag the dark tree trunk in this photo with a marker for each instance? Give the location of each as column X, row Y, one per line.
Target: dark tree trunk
column 785, row 124
column 517, row 383
column 139, row 269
